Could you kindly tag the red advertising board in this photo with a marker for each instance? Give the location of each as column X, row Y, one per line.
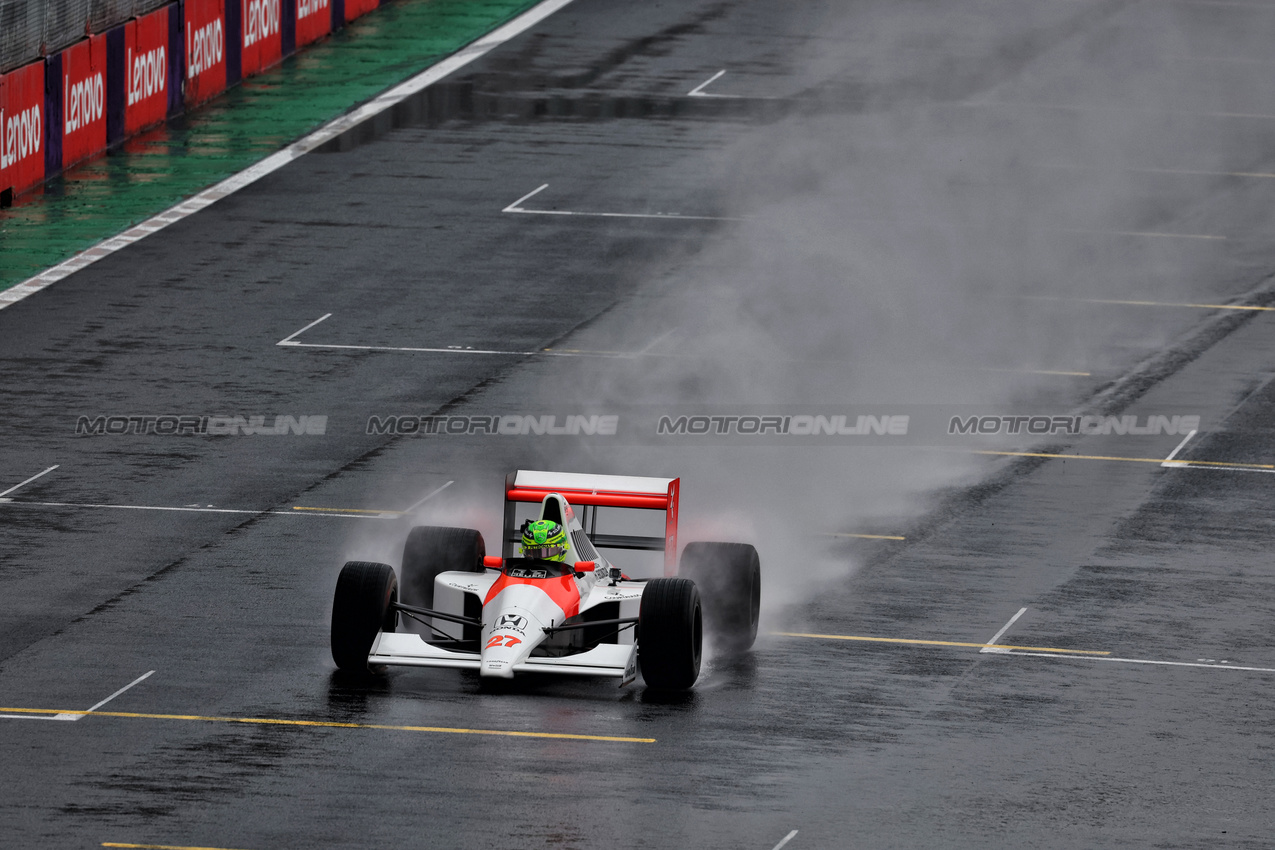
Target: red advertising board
column 146, row 71
column 83, row 99
column 205, row 39
column 22, row 127
column 262, row 37
column 355, row 8
column 314, row 20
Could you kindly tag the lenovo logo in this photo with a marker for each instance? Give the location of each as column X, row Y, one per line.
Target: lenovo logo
column 20, row 135
column 205, row 47
column 147, row 74
column 83, row 103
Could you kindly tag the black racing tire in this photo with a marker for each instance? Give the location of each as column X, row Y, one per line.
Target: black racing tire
column 729, row 579
column 434, row 549
column 671, row 634
column 361, row 607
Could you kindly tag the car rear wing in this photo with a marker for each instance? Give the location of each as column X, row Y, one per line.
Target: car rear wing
column 606, row 491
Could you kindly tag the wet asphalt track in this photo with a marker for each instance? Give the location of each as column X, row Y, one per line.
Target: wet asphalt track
column 399, row 235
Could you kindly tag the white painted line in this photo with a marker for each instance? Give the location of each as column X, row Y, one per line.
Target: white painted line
column 456, row 350
column 1168, row 461
column 31, row 717
column 191, row 510
column 29, row 480
column 288, row 340
column 138, row 680
column 291, row 342
column 428, row 496
column 1183, row 465
column 515, row 208
column 698, row 91
column 1140, row 661
column 292, row 152
column 789, row 837
column 73, row 717
column 610, row 355
column 991, row 644
column 646, row 349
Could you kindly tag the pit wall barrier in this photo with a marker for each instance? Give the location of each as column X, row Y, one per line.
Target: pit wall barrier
column 76, row 103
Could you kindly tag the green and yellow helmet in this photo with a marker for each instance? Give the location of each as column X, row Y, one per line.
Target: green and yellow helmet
column 544, row 539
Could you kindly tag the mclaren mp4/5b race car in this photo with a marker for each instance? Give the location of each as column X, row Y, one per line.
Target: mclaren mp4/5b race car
column 558, row 606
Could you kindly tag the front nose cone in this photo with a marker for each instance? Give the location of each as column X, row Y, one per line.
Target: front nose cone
column 513, row 633
column 513, row 624
column 498, row 661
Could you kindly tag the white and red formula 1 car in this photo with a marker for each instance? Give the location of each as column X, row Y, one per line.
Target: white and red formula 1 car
column 582, row 616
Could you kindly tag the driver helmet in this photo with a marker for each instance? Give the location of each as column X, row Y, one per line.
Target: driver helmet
column 544, row 539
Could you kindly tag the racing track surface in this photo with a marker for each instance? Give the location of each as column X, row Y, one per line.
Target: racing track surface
column 940, row 209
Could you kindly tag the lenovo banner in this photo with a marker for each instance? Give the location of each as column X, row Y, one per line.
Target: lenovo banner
column 356, row 8
column 22, row 128
column 146, row 65
column 262, row 34
column 205, row 39
column 79, row 106
column 314, row 20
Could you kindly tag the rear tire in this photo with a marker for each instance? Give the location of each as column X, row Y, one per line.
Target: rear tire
column 729, row 578
column 434, row 549
column 361, row 607
column 671, row 634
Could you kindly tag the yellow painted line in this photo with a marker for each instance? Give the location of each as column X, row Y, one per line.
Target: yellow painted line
column 344, row 510
column 1184, row 171
column 1132, row 459
column 332, row 724
column 914, row 642
column 870, row 536
column 1038, row 372
column 1161, row 304
column 1148, row 233
column 160, row 846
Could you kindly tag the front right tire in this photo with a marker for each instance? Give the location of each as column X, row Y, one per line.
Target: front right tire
column 729, row 577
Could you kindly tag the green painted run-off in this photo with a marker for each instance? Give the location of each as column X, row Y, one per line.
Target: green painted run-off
column 149, row 173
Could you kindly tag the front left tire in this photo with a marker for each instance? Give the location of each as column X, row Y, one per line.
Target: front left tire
column 361, row 607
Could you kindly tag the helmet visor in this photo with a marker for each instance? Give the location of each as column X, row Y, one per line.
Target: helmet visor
column 544, row 553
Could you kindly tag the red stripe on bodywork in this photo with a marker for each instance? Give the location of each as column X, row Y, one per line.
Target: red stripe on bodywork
column 670, row 528
column 562, row 590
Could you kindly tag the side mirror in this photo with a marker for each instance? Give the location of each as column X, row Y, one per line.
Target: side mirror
column 493, row 562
